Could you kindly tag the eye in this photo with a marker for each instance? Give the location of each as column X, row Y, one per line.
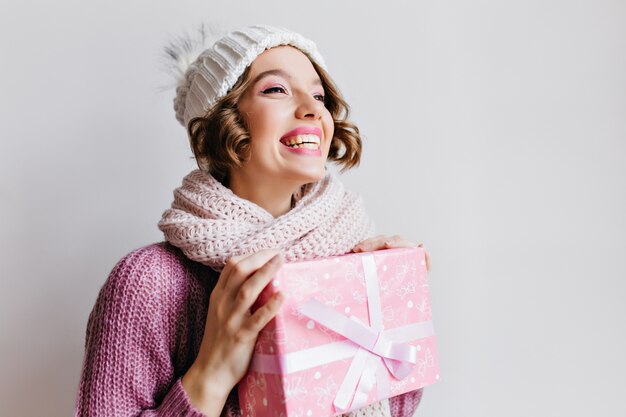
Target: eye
column 319, row 97
column 277, row 89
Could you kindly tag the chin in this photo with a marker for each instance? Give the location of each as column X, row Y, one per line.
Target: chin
column 308, row 177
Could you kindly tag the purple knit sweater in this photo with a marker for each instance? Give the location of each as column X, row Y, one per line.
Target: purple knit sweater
column 145, row 331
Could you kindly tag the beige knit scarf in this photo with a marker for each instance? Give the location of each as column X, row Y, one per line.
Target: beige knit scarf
column 210, row 224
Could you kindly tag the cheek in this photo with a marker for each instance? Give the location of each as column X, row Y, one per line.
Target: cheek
column 270, row 114
column 258, row 122
column 329, row 126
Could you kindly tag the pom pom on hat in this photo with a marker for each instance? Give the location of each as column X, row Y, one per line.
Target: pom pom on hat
column 205, row 73
column 184, row 50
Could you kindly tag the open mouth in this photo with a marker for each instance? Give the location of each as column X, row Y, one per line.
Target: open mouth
column 302, row 142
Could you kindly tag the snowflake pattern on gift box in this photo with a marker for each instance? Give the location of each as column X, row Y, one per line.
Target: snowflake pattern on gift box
column 353, row 274
column 406, row 289
column 358, row 296
column 334, row 337
column 404, row 317
column 422, row 277
column 294, row 388
column 271, row 336
column 403, row 269
column 256, row 381
column 426, row 362
column 331, row 297
column 250, row 411
column 397, row 386
column 384, row 288
column 260, row 347
column 295, row 311
column 326, row 394
column 303, row 285
column 298, row 413
column 424, row 306
column 297, row 345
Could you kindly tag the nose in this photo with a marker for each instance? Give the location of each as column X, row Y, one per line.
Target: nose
column 309, row 108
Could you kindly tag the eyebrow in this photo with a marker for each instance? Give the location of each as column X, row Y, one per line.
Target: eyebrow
column 280, row 73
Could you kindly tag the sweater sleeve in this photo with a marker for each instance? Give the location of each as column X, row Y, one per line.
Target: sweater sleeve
column 405, row 405
column 128, row 368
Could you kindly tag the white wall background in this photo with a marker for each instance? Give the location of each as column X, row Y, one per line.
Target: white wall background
column 495, row 134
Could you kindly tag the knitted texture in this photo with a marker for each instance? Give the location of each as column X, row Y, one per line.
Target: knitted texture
column 378, row 409
column 145, row 331
column 211, row 224
column 216, row 70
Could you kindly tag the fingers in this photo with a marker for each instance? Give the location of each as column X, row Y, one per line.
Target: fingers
column 383, row 242
column 398, row 242
column 368, row 244
column 252, row 287
column 257, row 321
column 388, row 242
column 239, row 268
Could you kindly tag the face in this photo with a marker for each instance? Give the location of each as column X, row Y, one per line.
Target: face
column 290, row 129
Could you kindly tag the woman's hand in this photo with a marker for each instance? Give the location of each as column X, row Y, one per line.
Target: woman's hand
column 231, row 330
column 388, row 242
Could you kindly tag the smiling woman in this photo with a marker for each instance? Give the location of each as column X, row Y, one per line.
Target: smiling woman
column 172, row 332
column 284, row 109
column 282, row 100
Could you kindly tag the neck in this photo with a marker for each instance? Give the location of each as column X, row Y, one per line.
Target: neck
column 274, row 197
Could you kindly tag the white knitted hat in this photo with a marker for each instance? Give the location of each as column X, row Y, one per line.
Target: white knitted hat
column 216, row 70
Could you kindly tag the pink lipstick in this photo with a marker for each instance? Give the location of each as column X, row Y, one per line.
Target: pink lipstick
column 304, row 149
column 303, row 130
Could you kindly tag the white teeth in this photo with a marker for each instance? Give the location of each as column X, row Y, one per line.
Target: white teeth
column 300, row 139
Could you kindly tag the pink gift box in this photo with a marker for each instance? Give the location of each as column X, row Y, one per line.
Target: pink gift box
column 353, row 329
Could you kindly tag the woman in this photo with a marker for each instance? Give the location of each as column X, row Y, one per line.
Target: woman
column 171, row 332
